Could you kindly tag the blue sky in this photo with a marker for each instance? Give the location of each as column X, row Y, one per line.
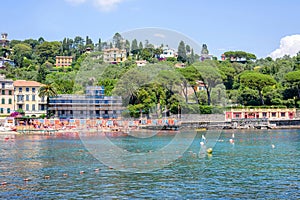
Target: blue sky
column 259, row 27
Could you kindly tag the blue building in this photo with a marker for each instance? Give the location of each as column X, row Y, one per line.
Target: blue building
column 93, row 105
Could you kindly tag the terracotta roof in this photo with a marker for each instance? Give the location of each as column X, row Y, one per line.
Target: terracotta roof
column 26, row 83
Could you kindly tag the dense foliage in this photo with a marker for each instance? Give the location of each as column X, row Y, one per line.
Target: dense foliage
column 159, row 87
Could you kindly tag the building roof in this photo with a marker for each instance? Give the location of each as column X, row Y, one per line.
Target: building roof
column 20, row 83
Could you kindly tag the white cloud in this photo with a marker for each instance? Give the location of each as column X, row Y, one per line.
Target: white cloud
column 102, row 5
column 159, row 35
column 289, row 45
column 107, row 5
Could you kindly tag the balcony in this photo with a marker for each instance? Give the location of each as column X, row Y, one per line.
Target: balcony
column 42, row 102
column 20, row 101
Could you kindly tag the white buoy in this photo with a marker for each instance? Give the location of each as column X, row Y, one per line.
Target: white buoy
column 203, row 137
column 232, row 135
column 231, row 141
column 273, row 146
column 201, row 143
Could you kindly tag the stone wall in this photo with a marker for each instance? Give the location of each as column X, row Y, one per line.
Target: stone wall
column 203, row 118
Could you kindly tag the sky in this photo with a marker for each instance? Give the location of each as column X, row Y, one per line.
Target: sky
column 263, row 27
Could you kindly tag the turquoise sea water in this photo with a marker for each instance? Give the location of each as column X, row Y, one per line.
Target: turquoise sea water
column 259, row 165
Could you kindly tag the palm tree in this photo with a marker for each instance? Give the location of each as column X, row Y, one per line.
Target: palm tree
column 48, row 91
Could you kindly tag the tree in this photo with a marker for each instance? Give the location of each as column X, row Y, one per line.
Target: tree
column 293, row 80
column 189, row 77
column 188, row 48
column 210, row 76
column 140, row 46
column 181, row 52
column 42, row 72
column 20, row 52
column 118, row 41
column 48, row 51
column 134, row 45
column 256, row 81
column 47, row 91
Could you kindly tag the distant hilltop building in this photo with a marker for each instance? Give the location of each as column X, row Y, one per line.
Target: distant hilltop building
column 5, row 60
column 114, row 55
column 63, row 61
column 4, row 42
column 141, row 63
column 205, row 53
column 168, row 53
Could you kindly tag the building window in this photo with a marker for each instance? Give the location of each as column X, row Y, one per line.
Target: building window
column 3, row 85
column 1, row 110
column 19, row 97
column 33, row 97
column 9, row 101
column 33, row 90
column 20, row 107
column 27, row 97
column 20, row 89
column 3, row 101
column 3, row 92
column 42, row 107
column 8, row 110
column 264, row 114
column 10, row 92
column 273, row 114
column 27, row 107
column 33, row 107
column 282, row 114
column 27, row 89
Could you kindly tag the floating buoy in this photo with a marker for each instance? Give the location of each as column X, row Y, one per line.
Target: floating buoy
column 201, row 143
column 273, row 146
column 231, row 141
column 209, row 150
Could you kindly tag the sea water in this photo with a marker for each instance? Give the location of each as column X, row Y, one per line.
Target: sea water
column 260, row 164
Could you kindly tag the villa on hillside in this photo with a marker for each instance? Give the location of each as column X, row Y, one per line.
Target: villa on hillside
column 63, row 61
column 168, row 53
column 114, row 55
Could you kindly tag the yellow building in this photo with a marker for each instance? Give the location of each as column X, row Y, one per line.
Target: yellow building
column 27, row 98
column 63, row 61
column 7, row 95
column 114, row 55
